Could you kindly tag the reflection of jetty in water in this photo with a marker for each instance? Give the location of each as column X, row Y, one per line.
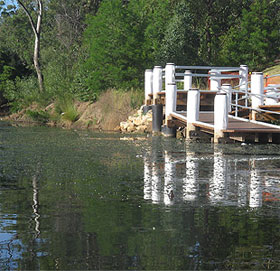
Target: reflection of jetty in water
column 172, row 177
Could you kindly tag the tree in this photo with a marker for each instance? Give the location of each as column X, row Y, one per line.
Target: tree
column 255, row 41
column 122, row 40
column 180, row 43
column 114, row 39
column 212, row 19
column 37, row 32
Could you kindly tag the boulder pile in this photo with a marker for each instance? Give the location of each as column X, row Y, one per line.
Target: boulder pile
column 138, row 123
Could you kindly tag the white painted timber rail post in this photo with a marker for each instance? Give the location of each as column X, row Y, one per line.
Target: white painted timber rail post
column 257, row 91
column 243, row 81
column 157, row 83
column 215, row 83
column 148, row 86
column 226, row 88
column 193, row 104
column 170, row 100
column 187, row 80
column 169, row 74
column 220, row 115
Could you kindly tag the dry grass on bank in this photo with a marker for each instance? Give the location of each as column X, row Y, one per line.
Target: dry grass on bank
column 116, row 106
column 112, row 107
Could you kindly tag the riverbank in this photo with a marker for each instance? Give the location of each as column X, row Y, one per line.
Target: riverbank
column 114, row 111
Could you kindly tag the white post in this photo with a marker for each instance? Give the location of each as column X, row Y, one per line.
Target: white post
column 220, row 116
column 228, row 90
column 169, row 74
column 187, row 80
column 257, row 91
column 157, row 83
column 243, row 81
column 170, row 100
column 193, row 104
column 215, row 83
column 272, row 95
column 148, row 86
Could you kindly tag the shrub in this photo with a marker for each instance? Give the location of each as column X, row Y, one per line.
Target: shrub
column 65, row 107
column 40, row 116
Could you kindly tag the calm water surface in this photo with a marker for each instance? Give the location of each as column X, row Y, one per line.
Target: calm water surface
column 76, row 200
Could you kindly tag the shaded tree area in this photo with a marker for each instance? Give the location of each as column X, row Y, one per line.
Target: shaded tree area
column 88, row 46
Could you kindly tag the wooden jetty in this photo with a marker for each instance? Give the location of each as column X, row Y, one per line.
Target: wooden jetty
column 222, row 113
column 238, row 129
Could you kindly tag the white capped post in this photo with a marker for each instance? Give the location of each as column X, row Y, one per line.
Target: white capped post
column 157, row 83
column 193, row 104
column 257, row 91
column 228, row 90
column 187, row 80
column 148, row 86
column 220, row 115
column 170, row 100
column 169, row 74
column 215, row 82
column 243, row 81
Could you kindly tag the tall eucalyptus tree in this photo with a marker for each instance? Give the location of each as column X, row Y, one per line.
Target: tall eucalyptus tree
column 36, row 27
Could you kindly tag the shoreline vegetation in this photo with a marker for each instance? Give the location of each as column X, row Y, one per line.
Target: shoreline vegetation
column 84, row 67
column 112, row 108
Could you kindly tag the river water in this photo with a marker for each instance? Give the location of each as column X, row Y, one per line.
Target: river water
column 77, row 200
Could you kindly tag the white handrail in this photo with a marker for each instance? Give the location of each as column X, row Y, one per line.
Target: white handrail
column 221, row 76
column 271, row 76
column 208, row 68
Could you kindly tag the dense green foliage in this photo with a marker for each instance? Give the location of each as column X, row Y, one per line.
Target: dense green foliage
column 256, row 40
column 88, row 46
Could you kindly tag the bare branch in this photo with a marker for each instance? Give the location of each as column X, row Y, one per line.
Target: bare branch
column 29, row 17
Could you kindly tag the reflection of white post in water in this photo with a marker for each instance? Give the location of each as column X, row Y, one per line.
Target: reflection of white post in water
column 169, row 174
column 155, row 183
column 147, row 178
column 242, row 192
column 242, row 186
column 255, row 199
column 190, row 185
column 217, row 186
column 35, row 206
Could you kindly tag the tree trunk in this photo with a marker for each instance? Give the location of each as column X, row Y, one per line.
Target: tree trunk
column 37, row 31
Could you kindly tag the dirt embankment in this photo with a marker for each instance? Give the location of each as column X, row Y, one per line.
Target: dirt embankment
column 106, row 114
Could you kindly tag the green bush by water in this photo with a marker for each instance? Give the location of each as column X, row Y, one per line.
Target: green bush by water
column 65, row 107
column 39, row 116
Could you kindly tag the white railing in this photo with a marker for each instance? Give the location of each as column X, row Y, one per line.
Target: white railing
column 246, row 95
